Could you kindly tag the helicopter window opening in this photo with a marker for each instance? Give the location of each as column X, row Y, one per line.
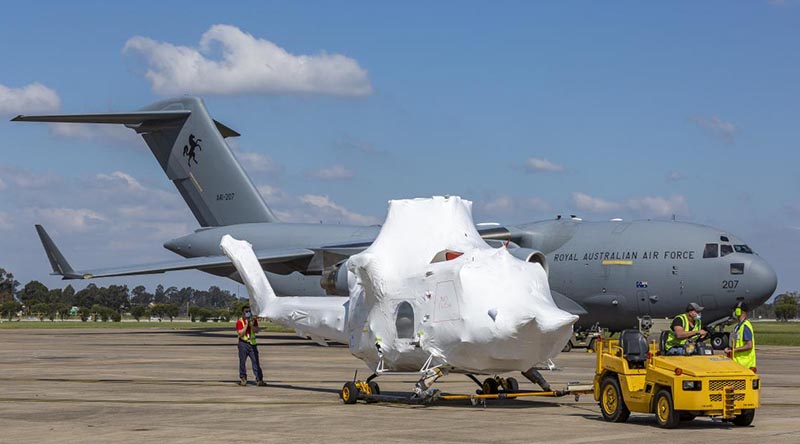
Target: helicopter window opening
column 405, row 321
column 711, row 250
column 743, row 249
column 737, row 268
column 446, row 255
column 724, row 238
column 725, row 250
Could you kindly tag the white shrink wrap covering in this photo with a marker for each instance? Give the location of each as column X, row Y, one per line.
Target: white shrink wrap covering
column 428, row 286
column 481, row 311
column 320, row 318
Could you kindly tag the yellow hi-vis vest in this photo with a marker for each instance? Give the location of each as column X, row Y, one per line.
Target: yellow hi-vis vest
column 251, row 338
column 745, row 358
column 672, row 340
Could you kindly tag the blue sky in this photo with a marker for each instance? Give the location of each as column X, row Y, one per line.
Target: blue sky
column 621, row 109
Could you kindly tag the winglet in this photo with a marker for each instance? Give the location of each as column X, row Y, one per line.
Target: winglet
column 60, row 265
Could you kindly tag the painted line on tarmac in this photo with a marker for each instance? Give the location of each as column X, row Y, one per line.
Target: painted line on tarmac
column 177, row 402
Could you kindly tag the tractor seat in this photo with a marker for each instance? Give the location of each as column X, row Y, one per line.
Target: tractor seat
column 662, row 342
column 634, row 348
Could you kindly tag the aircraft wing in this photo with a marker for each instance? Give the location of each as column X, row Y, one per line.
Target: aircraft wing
column 220, row 265
column 567, row 304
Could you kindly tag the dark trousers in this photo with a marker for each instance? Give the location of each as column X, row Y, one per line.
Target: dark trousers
column 245, row 350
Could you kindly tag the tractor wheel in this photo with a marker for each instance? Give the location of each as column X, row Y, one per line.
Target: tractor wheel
column 374, row 388
column 612, row 405
column 745, row 419
column 719, row 341
column 567, row 347
column 490, row 386
column 666, row 415
column 349, row 393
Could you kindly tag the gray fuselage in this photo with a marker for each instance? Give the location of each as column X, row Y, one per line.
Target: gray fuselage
column 616, row 270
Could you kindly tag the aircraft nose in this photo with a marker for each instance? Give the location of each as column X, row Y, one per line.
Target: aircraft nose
column 764, row 281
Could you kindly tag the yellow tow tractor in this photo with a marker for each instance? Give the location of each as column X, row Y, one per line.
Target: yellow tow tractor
column 634, row 376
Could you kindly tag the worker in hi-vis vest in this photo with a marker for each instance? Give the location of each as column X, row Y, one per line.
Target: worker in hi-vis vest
column 743, row 339
column 684, row 326
column 246, row 328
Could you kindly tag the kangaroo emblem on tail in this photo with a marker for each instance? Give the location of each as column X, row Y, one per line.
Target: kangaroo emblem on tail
column 188, row 150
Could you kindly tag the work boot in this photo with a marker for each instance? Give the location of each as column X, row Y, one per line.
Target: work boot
column 243, row 381
column 261, row 383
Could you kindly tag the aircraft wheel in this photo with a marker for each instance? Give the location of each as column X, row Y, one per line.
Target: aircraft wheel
column 745, row 419
column 612, row 405
column 349, row 393
column 567, row 347
column 511, row 385
column 666, row 415
column 490, row 386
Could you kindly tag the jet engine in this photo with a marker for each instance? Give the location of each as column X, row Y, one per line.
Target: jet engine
column 334, row 280
column 530, row 255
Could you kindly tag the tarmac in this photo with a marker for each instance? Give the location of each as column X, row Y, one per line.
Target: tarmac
column 162, row 385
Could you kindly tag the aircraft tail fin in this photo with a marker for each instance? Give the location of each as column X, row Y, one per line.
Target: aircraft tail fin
column 57, row 260
column 190, row 147
column 262, row 296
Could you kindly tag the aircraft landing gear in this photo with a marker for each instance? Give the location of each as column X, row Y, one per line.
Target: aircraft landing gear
column 352, row 391
column 496, row 384
column 423, row 389
column 535, row 377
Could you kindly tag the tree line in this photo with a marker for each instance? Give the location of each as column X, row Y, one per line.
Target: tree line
column 112, row 302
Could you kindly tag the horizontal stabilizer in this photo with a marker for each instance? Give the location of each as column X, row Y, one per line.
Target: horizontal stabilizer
column 134, row 118
column 220, row 265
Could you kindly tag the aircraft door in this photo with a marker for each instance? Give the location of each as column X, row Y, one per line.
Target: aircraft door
column 643, row 302
column 404, row 321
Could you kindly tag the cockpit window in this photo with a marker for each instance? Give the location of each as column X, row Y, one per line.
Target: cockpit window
column 725, row 250
column 711, row 250
column 724, row 238
column 446, row 255
column 743, row 249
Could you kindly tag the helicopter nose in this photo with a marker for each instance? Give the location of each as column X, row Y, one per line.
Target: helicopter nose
column 764, row 281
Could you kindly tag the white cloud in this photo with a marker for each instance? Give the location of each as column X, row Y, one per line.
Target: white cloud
column 720, row 128
column 29, row 99
column 536, row 204
column 69, row 219
column 494, row 207
column 674, row 176
column 3, row 185
column 255, row 162
column 534, row 165
column 335, row 211
column 648, row 206
column 245, row 65
column 129, row 181
column 5, row 222
column 500, row 204
column 659, row 206
column 585, row 202
column 26, row 179
column 336, row 172
column 92, row 132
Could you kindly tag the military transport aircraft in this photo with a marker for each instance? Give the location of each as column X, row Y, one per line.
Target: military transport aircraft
column 609, row 273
